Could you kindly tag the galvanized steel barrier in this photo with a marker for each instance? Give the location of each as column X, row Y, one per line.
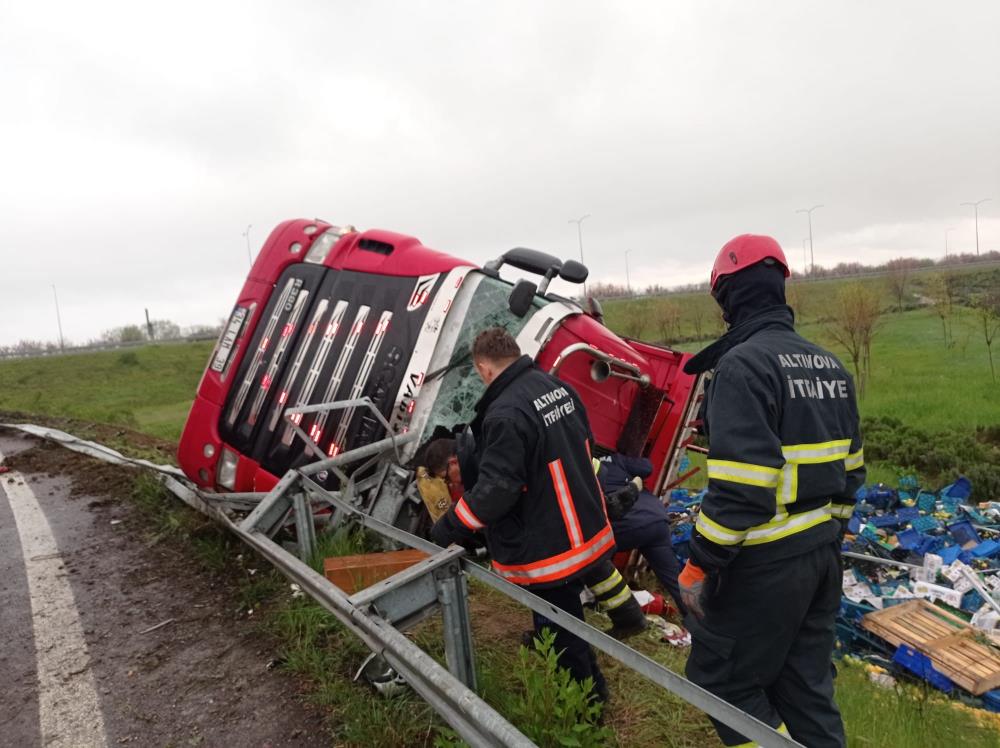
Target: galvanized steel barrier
column 439, row 581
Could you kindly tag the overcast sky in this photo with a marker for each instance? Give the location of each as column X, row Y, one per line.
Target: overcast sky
column 138, row 140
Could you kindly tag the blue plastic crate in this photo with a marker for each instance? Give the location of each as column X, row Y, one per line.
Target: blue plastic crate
column 926, row 501
column 929, row 544
column 908, row 513
column 986, row 549
column 920, row 665
column 909, row 540
column 964, row 533
column 854, row 524
column 960, row 490
column 972, row 601
column 909, row 482
column 886, row 520
column 950, row 554
column 925, row 524
column 991, row 700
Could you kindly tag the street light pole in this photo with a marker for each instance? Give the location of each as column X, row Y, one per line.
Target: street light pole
column 579, row 232
column 55, row 296
column 246, row 235
column 809, row 214
column 946, row 232
column 805, row 258
column 628, row 280
column 975, row 208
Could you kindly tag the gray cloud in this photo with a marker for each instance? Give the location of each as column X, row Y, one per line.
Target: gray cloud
column 142, row 140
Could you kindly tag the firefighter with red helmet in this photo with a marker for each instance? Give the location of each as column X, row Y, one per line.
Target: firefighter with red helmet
column 763, row 584
column 535, row 496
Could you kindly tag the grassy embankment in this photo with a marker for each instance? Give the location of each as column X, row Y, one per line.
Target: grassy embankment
column 915, row 379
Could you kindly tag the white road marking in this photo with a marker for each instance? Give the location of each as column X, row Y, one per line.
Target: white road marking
column 69, row 712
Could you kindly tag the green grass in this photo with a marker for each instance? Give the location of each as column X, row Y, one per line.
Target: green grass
column 149, row 389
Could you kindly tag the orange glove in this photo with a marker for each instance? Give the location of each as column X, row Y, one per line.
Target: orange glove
column 692, row 584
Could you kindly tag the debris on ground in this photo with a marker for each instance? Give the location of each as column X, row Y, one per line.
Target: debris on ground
column 921, row 588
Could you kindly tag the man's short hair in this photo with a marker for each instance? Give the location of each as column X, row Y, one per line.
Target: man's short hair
column 437, row 455
column 495, row 344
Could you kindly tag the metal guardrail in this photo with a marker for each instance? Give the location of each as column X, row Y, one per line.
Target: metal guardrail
column 439, row 581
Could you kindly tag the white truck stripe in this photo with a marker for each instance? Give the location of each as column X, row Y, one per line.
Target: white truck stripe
column 69, row 711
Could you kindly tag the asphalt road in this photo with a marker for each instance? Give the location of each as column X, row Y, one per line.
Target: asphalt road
column 109, row 639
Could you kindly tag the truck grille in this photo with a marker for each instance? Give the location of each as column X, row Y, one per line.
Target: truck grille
column 304, row 352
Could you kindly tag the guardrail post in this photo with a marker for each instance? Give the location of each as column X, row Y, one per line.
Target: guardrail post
column 453, row 594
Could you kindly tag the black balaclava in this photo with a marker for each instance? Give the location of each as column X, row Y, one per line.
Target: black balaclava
column 744, row 294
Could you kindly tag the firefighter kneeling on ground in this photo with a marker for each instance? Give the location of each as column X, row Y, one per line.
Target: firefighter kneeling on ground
column 535, row 496
column 784, row 460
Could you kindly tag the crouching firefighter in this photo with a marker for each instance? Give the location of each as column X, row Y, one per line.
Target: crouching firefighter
column 763, row 584
column 535, row 495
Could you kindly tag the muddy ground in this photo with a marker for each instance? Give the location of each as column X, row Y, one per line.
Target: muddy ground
column 204, row 678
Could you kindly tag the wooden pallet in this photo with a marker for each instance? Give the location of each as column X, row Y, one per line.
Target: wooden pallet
column 946, row 639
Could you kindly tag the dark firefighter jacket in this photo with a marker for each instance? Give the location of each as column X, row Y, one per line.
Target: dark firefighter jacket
column 785, row 455
column 535, row 496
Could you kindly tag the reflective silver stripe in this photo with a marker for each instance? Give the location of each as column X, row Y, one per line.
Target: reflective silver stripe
column 281, row 400
column 267, row 381
column 843, row 511
column 581, row 556
column 265, row 342
column 718, row 533
column 781, row 528
column 465, row 514
column 743, row 472
column 566, row 504
column 367, row 364
column 855, row 460
column 814, row 453
column 312, row 377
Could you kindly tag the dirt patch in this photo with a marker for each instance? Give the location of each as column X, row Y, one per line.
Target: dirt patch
column 125, row 440
column 175, row 658
column 89, row 477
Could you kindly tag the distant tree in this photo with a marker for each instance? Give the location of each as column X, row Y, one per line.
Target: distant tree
column 204, row 331
column 164, row 329
column 667, row 317
column 696, row 311
column 29, row 347
column 796, row 299
column 856, row 312
column 941, row 292
column 987, row 308
column 633, row 320
column 897, row 279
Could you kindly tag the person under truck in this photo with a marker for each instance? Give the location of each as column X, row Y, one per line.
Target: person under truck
column 535, row 497
column 785, row 458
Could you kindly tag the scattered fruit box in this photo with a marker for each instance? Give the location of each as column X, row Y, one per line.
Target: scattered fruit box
column 950, row 643
column 353, row 573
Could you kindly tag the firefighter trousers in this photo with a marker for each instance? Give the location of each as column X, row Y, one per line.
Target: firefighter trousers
column 574, row 653
column 653, row 542
column 766, row 641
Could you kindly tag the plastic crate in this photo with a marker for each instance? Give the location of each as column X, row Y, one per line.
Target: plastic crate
column 920, row 665
column 925, row 524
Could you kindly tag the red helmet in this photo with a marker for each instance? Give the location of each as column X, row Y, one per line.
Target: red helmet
column 742, row 252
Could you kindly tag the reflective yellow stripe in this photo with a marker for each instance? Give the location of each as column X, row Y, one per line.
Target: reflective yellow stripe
column 808, row 454
column 743, row 472
column 855, row 460
column 608, row 584
column 780, row 728
column 718, row 533
column 596, row 463
column 777, row 529
column 843, row 511
column 617, row 600
column 788, row 484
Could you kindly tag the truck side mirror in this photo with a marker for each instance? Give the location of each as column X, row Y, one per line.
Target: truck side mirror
column 573, row 271
column 520, row 299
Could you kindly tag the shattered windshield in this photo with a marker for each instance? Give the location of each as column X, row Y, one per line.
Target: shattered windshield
column 461, row 387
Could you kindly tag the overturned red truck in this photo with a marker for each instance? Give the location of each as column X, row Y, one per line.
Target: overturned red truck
column 331, row 314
